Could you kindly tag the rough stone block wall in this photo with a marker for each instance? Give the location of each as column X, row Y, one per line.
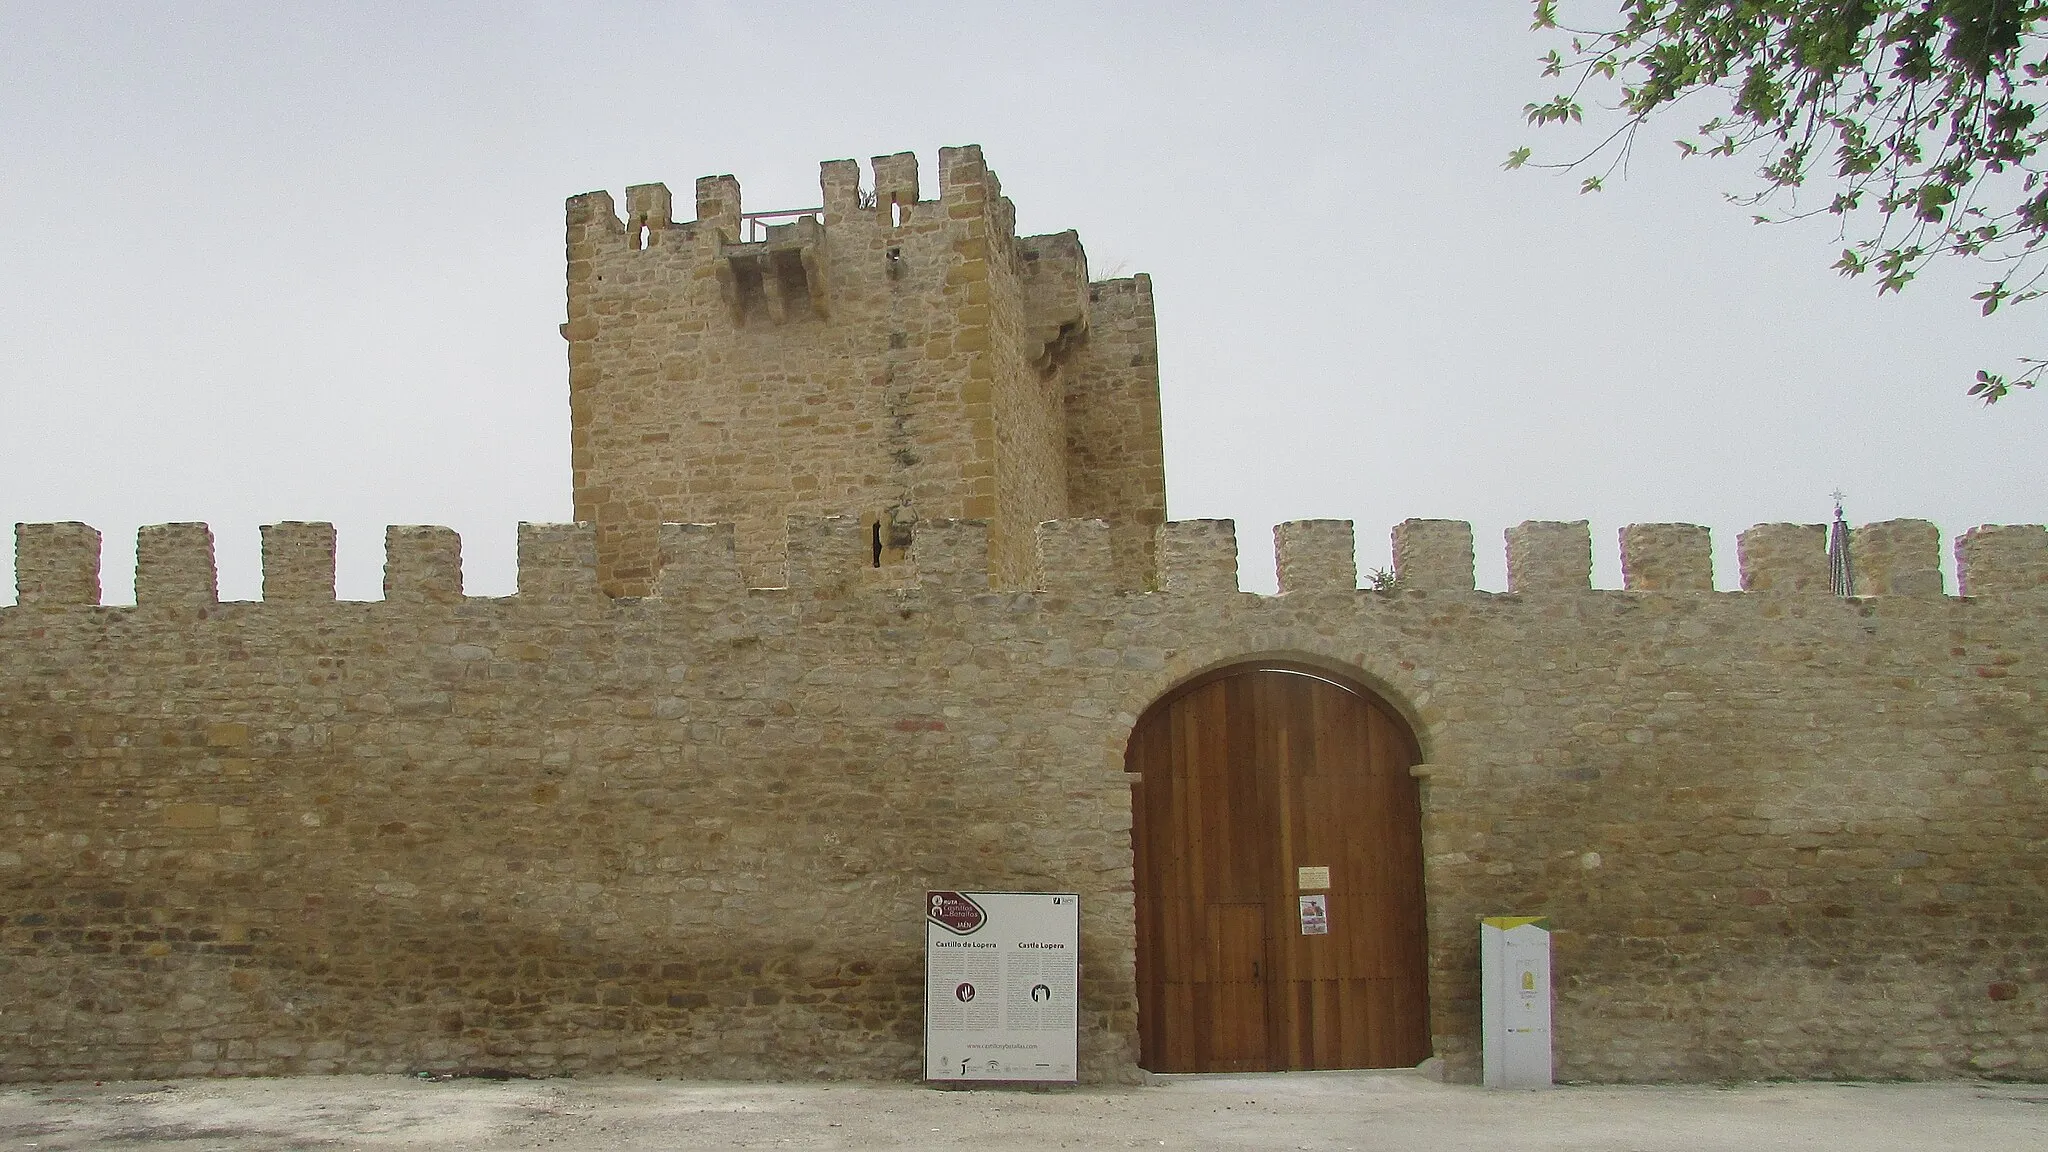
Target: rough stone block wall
column 1020, row 426
column 422, row 563
column 885, row 357
column 1074, row 556
column 2002, row 558
column 298, row 562
column 56, row 564
column 1550, row 556
column 1780, row 835
column 1116, row 461
column 1315, row 556
column 1784, row 558
column 1896, row 558
column 1433, row 554
column 1667, row 558
column 174, row 565
column 1198, row 556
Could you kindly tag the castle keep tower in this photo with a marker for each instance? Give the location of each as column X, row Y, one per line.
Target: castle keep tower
column 882, row 356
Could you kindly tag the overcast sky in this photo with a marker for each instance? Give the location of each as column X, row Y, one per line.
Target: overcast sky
column 275, row 261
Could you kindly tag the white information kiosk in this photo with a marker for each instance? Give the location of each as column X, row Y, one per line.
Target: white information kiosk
column 1514, row 975
column 1001, row 986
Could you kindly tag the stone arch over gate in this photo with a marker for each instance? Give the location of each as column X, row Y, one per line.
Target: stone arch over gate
column 1277, row 872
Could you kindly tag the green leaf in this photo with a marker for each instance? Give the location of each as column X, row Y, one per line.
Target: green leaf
column 1590, row 184
column 1516, row 159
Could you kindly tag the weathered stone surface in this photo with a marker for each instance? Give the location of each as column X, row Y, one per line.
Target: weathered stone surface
column 1550, row 556
column 888, row 358
column 298, row 562
column 1433, row 554
column 1198, row 556
column 1076, row 556
column 673, row 807
column 56, row 564
column 1896, row 558
column 1667, row 558
column 561, row 832
column 1784, row 558
column 1998, row 558
column 423, row 564
column 1316, row 556
column 174, row 566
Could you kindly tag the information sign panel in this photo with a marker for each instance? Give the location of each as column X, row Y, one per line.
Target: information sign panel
column 1001, row 986
column 1514, row 975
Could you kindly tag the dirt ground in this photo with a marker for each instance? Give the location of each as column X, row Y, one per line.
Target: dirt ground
column 1329, row 1110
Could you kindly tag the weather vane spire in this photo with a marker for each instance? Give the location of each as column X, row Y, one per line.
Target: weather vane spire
column 1841, row 578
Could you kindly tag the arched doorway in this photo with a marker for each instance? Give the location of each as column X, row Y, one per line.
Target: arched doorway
column 1249, row 781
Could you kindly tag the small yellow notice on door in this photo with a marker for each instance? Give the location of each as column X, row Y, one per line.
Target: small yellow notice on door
column 1312, row 879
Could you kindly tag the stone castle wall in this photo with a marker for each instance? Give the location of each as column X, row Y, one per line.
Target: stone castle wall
column 1780, row 833
column 884, row 356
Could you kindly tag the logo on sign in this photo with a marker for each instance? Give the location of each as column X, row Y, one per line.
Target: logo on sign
column 954, row 912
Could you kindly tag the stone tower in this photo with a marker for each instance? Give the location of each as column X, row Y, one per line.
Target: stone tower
column 882, row 356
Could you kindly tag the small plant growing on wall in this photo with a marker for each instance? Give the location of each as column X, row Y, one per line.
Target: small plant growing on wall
column 1382, row 580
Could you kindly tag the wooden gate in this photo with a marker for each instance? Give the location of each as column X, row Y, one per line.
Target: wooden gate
column 1248, row 781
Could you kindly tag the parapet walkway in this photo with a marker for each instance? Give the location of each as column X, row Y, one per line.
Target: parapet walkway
column 1331, row 1110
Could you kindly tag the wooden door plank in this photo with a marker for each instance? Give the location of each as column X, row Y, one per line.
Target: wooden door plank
column 1244, row 779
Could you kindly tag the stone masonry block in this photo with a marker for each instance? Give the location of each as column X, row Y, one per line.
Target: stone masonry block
column 1075, row 557
column 2000, row 558
column 951, row 554
column 1896, row 558
column 298, row 562
column 1667, row 558
column 895, row 180
column 1316, row 555
column 649, row 206
column 827, row 554
column 422, row 564
column 839, row 180
column 1198, row 557
column 629, row 555
column 56, row 565
column 1783, row 558
column 1434, row 554
column 558, row 561
column 174, row 565
column 591, row 209
column 698, row 559
column 1550, row 556
column 963, row 175
column 718, row 204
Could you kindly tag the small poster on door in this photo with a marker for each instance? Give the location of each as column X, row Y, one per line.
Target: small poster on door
column 1315, row 915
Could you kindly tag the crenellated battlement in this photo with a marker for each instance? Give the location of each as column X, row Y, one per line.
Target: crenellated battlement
column 876, row 354
column 868, row 592
column 968, row 190
column 58, row 565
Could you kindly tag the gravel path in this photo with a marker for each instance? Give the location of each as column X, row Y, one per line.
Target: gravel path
column 1331, row 1110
